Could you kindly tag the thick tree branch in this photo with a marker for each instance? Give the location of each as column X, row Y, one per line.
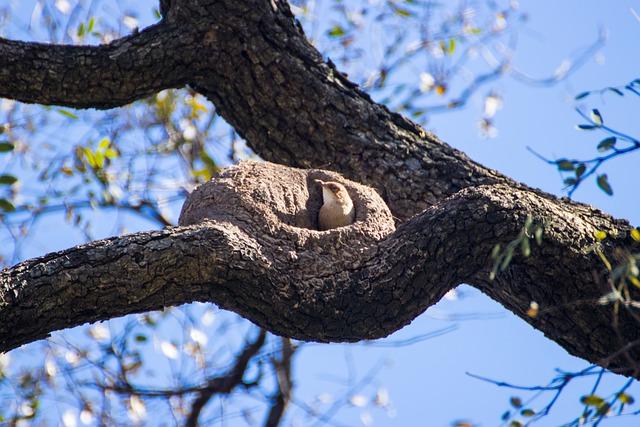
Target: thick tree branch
column 252, row 60
column 104, row 76
column 275, row 89
column 294, row 108
column 276, row 281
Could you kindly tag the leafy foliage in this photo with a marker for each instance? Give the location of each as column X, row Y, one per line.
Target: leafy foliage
column 502, row 257
column 616, row 144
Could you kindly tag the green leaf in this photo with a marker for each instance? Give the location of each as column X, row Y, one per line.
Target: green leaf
column 88, row 154
column 527, row 413
column 596, row 117
column 516, row 402
column 565, row 165
column 515, row 424
column 203, row 173
column 538, row 235
column 452, row 46
column 66, row 113
column 570, row 181
column 582, row 95
column 580, row 170
column 525, row 247
column 626, row 398
column 81, row 30
column 99, row 159
column 506, row 260
column 6, row 205
column 635, row 234
column 604, row 185
column 586, row 127
column 592, row 400
column 336, row 31
column 7, row 179
column 110, row 153
column 600, row 235
column 91, row 24
column 603, row 409
column 495, row 251
column 528, row 222
column 607, row 144
column 140, row 338
column 5, row 147
column 402, row 12
column 104, row 143
column 209, row 162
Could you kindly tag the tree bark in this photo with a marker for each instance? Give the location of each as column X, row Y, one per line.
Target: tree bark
column 251, row 59
column 105, row 76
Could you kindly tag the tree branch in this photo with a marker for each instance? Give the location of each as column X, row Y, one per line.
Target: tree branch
column 274, row 88
column 226, row 383
column 306, row 285
column 284, row 383
column 292, row 107
column 252, row 60
column 104, row 76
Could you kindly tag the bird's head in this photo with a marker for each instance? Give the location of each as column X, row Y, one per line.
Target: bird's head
column 333, row 191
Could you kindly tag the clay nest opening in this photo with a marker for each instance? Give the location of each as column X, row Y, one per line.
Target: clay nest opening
column 278, row 207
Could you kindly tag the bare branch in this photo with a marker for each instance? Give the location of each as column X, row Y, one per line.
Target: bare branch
column 226, row 383
column 284, row 383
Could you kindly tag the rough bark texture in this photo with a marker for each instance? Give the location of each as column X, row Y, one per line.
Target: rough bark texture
column 105, row 76
column 258, row 253
column 294, row 108
column 255, row 255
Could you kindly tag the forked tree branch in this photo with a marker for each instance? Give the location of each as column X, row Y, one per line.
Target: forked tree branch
column 269, row 278
column 251, row 59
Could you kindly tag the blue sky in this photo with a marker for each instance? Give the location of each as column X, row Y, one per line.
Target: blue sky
column 427, row 381
column 542, row 118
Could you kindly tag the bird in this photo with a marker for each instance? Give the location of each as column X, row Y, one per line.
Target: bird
column 337, row 209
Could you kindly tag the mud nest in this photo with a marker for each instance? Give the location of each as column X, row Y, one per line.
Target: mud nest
column 278, row 207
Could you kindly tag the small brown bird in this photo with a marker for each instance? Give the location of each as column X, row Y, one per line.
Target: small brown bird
column 337, row 209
